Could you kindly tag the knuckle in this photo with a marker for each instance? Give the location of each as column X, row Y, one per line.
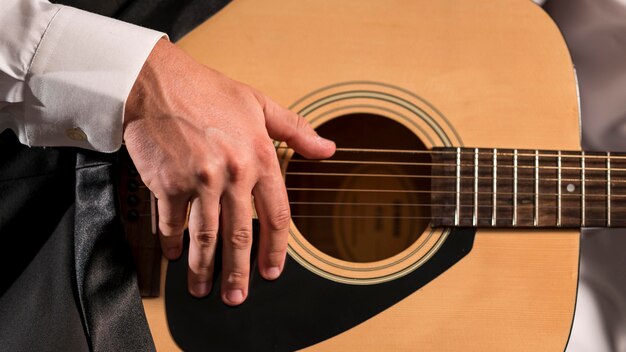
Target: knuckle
column 205, row 175
column 275, row 255
column 203, row 267
column 241, row 239
column 266, row 152
column 300, row 126
column 280, row 219
column 236, row 277
column 206, row 268
column 301, row 122
column 169, row 186
column 171, row 225
column 237, row 169
column 206, row 238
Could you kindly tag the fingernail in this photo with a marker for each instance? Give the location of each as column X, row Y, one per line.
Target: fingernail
column 172, row 253
column 272, row 273
column 234, row 296
column 324, row 142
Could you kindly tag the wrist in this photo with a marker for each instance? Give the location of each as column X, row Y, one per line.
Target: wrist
column 141, row 94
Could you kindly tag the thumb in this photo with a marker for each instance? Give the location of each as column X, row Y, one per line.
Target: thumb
column 285, row 125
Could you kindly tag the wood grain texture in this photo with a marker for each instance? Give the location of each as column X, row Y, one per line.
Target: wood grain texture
column 500, row 73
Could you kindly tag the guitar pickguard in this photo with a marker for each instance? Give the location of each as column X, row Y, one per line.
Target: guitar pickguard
column 296, row 311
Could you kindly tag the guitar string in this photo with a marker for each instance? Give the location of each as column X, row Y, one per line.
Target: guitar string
column 520, row 206
column 469, row 220
column 370, row 190
column 482, row 151
column 403, row 163
column 506, row 220
column 374, row 190
column 348, row 174
column 428, row 205
column 462, row 205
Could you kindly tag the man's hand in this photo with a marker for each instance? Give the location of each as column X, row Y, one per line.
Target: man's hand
column 201, row 139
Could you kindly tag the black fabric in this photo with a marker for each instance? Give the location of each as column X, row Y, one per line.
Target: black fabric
column 174, row 17
column 32, row 200
column 72, row 286
column 106, row 283
column 37, row 292
column 39, row 311
column 108, row 8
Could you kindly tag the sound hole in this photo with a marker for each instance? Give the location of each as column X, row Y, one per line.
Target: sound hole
column 367, row 205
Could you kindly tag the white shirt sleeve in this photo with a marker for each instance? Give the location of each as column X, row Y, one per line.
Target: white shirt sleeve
column 65, row 74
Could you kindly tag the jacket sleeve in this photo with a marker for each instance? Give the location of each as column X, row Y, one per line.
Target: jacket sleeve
column 65, row 74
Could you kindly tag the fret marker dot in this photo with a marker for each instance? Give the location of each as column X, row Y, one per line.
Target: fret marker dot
column 571, row 188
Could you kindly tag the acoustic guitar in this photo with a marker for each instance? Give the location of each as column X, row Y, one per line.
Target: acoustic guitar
column 449, row 217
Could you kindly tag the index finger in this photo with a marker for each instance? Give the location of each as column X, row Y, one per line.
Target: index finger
column 285, row 125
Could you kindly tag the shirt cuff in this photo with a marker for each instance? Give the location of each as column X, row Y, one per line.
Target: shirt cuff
column 80, row 77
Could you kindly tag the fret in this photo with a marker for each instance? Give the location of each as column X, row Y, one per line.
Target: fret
column 618, row 190
column 458, row 187
column 475, row 215
column 582, row 188
column 536, row 212
column 595, row 178
column 514, row 221
column 608, row 189
column 559, row 208
column 494, row 188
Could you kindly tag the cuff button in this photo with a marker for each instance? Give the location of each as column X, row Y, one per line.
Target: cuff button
column 76, row 134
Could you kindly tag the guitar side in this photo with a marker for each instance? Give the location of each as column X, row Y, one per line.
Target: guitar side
column 501, row 74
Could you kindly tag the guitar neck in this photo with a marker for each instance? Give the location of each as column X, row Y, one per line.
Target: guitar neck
column 528, row 188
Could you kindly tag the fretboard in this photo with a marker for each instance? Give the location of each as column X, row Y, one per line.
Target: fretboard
column 527, row 188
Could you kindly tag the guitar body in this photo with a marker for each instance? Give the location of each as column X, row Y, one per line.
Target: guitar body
column 488, row 74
